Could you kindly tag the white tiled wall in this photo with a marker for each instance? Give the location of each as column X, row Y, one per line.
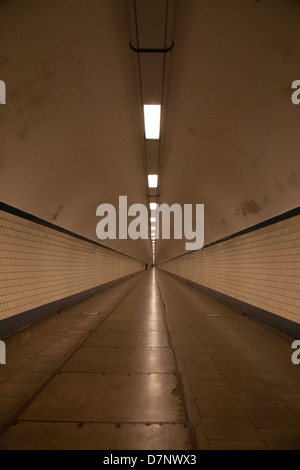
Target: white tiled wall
column 39, row 265
column 261, row 268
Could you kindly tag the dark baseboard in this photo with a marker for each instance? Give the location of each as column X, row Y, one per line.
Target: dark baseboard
column 284, row 325
column 21, row 320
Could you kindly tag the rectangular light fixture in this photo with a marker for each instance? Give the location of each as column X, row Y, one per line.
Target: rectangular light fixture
column 152, row 219
column 152, row 181
column 153, row 206
column 152, row 121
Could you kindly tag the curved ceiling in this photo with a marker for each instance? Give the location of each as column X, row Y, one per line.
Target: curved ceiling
column 71, row 133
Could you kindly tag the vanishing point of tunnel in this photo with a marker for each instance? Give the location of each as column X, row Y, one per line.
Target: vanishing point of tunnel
column 149, row 225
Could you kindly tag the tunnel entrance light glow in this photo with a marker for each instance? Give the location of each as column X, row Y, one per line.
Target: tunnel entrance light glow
column 152, row 121
column 152, row 181
column 138, row 226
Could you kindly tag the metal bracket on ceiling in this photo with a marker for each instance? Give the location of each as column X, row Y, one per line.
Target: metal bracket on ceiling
column 152, row 195
column 152, row 51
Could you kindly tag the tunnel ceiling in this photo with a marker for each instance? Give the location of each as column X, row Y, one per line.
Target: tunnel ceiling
column 71, row 132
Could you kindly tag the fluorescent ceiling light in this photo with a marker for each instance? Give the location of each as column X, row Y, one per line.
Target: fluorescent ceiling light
column 152, row 228
column 152, row 181
column 152, row 121
column 153, row 206
column 152, row 219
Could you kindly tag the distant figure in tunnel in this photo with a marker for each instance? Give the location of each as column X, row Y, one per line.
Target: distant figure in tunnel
column 146, row 266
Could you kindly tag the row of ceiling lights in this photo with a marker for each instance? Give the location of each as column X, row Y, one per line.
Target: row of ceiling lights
column 152, row 115
column 151, row 28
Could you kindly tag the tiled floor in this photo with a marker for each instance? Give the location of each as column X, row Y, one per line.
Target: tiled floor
column 243, row 388
column 150, row 363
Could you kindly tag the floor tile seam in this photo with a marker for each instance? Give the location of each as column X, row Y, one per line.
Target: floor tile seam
column 218, row 440
column 126, row 347
column 116, row 421
column 143, row 330
column 182, row 384
column 229, row 385
column 245, row 408
column 257, row 438
column 280, row 426
column 40, row 387
column 262, row 431
column 171, row 372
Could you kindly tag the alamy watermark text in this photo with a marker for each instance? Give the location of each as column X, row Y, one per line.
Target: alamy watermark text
column 138, row 227
column 2, row 352
column 2, row 92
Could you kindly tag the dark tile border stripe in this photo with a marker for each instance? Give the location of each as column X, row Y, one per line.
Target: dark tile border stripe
column 37, row 220
column 274, row 220
column 12, row 324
